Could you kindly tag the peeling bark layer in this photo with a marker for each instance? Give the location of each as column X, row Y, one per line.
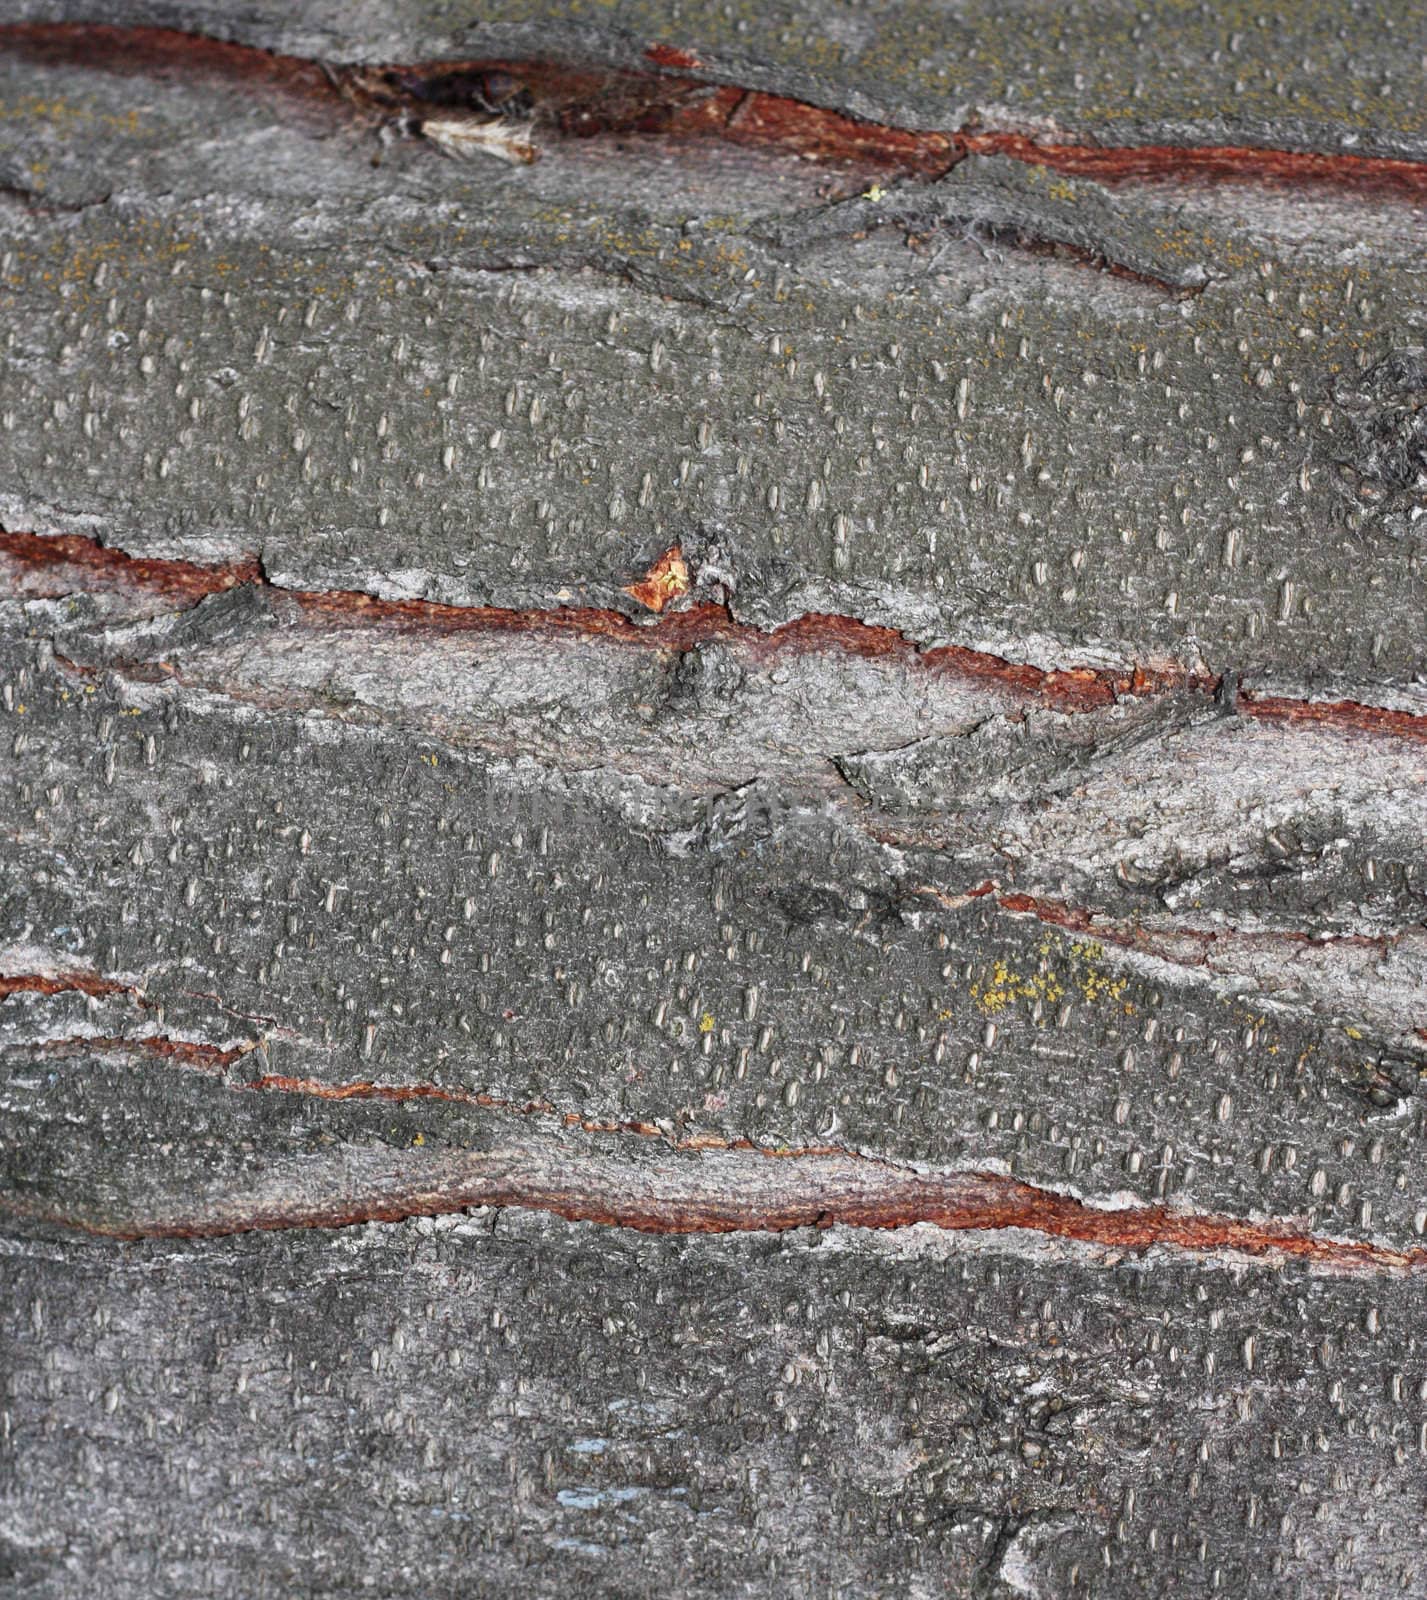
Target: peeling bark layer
column 712, row 835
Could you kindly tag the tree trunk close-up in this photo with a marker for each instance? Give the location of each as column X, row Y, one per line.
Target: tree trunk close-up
column 713, row 781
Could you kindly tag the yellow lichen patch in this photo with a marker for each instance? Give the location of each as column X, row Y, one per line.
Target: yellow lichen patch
column 1001, row 987
column 1091, row 983
column 706, row 1022
column 1065, row 971
column 64, row 113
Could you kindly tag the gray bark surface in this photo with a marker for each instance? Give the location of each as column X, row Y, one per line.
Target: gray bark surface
column 713, row 871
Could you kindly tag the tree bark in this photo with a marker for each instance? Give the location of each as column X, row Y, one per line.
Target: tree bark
column 714, row 775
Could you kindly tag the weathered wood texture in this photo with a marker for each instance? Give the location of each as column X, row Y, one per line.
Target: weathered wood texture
column 713, row 865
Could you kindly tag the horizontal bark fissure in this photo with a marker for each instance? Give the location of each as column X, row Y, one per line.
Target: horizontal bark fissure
column 1097, row 925
column 567, row 100
column 186, row 1052
column 183, row 582
column 48, row 983
column 60, row 980
column 707, row 1184
column 674, row 622
column 697, row 1183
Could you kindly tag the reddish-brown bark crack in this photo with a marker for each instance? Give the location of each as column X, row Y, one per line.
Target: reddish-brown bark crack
column 188, row 1052
column 1169, row 943
column 697, row 1183
column 1223, row 163
column 735, row 1193
column 670, row 55
column 587, row 102
column 185, row 1052
column 73, row 562
column 1079, row 919
column 162, row 53
column 51, row 567
column 841, row 1192
column 1173, row 944
column 397, row 1093
column 89, row 983
column 276, row 1082
column 1344, row 714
